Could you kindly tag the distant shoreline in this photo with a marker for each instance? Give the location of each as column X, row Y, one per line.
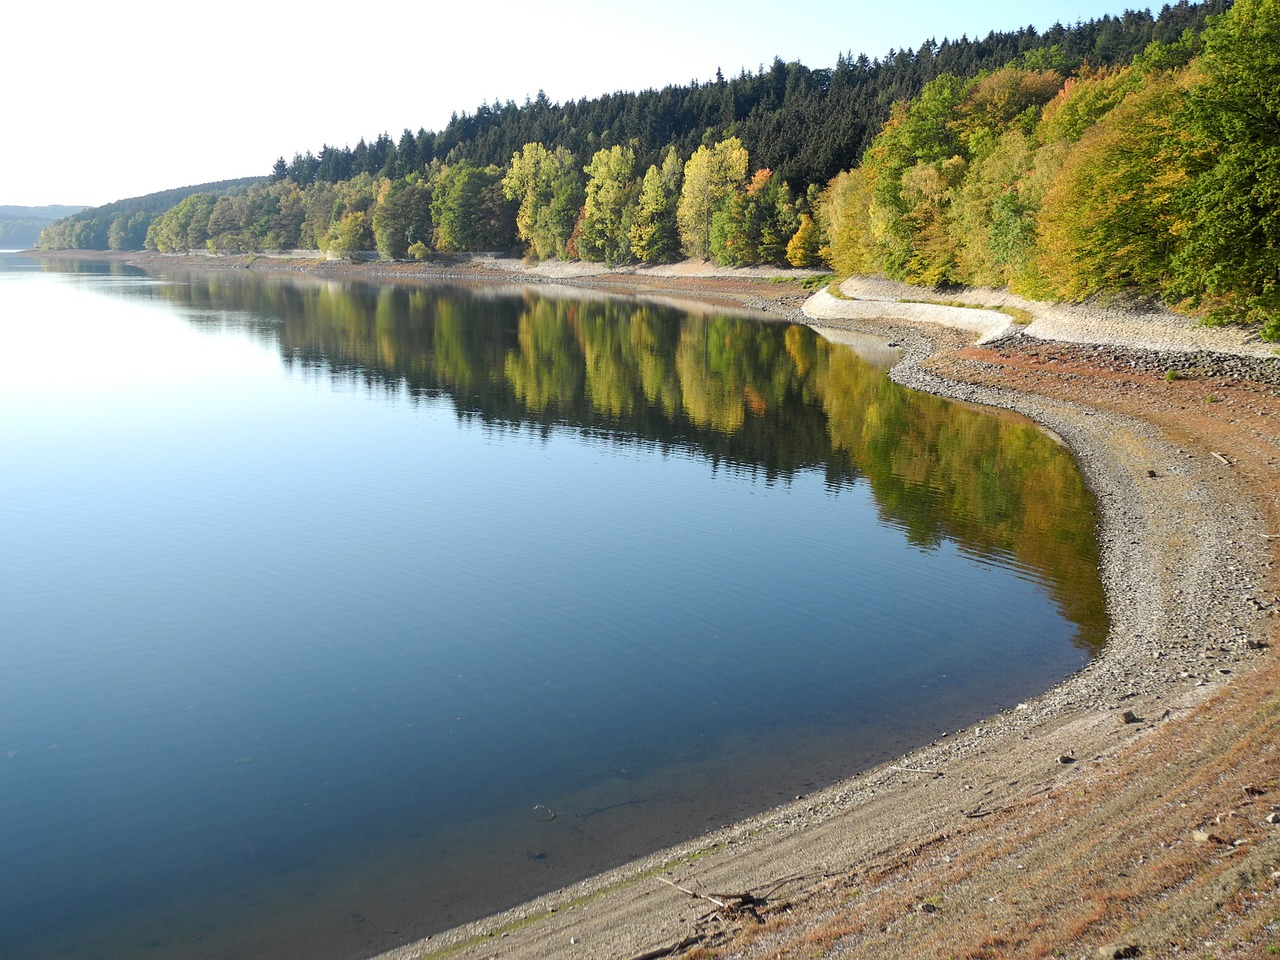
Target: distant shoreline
column 770, row 289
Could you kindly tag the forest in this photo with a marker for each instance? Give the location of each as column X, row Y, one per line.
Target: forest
column 1135, row 153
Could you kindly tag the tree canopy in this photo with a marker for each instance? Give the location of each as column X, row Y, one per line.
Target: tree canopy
column 1136, row 153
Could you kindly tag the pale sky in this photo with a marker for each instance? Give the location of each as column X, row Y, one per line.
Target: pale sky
column 107, row 100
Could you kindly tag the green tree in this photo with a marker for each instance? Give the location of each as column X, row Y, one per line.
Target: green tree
column 994, row 212
column 286, row 225
column 754, row 223
column 1229, row 254
column 184, row 226
column 318, row 204
column 906, row 212
column 349, row 236
column 401, row 217
column 226, row 226
column 470, row 210
column 349, row 230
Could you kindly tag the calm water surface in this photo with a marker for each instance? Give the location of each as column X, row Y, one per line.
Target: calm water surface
column 319, row 599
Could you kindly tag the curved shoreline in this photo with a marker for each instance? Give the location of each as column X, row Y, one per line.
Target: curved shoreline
column 1179, row 631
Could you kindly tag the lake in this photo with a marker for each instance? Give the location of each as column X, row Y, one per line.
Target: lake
column 336, row 614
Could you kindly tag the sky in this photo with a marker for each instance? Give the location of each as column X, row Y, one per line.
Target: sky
column 107, row 100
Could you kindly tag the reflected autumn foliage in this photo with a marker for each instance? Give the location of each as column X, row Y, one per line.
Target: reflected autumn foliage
column 765, row 398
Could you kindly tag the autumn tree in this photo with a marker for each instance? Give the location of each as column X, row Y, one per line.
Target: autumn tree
column 844, row 216
column 547, row 185
column 604, row 230
column 804, row 247
column 654, row 235
column 1108, row 219
column 710, row 177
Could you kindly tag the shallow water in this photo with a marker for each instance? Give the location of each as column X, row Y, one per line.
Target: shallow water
column 335, row 615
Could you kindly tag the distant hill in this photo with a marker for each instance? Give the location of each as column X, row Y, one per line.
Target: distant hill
column 122, row 225
column 21, row 226
column 164, row 199
column 53, row 212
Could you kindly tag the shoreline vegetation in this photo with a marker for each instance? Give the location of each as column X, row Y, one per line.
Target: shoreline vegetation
column 1130, row 811
column 1124, row 156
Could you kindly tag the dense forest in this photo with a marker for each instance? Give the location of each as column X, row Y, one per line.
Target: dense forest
column 123, row 225
column 1126, row 153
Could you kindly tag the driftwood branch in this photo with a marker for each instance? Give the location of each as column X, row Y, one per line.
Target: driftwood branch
column 1221, row 457
column 693, row 893
column 668, row 950
column 730, row 907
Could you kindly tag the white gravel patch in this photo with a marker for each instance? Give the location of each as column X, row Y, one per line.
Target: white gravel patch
column 988, row 324
column 1115, row 323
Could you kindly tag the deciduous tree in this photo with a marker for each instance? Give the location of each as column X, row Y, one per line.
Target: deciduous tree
column 603, row 232
column 547, row 184
column 654, row 235
column 710, row 176
column 1229, row 256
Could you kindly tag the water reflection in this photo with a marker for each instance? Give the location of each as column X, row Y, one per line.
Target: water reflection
column 767, row 398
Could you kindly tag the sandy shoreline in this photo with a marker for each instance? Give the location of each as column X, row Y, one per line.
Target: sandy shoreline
column 1186, row 491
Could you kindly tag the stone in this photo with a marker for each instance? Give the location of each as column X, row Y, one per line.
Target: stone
column 1066, row 758
column 1130, row 717
column 1120, row 951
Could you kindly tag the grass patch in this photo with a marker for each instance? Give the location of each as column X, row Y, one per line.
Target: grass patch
column 1017, row 313
column 815, row 282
